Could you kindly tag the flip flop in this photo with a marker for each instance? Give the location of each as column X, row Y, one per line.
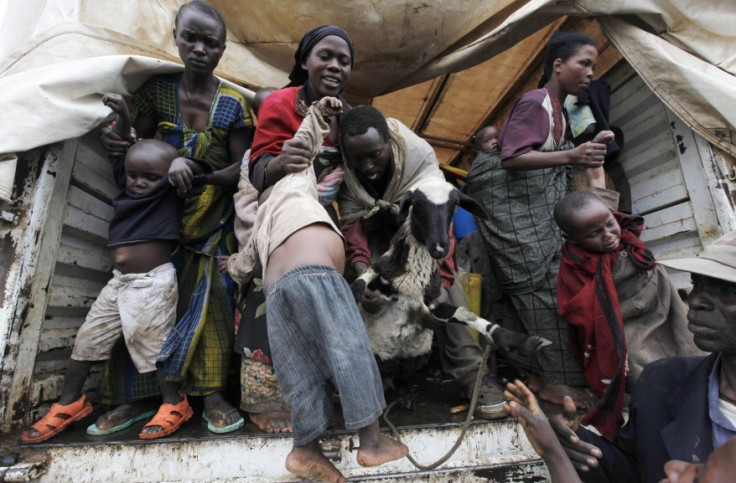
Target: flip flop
column 224, row 429
column 170, row 417
column 57, row 419
column 93, row 430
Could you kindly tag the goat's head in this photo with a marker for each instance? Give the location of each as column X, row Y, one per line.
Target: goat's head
column 428, row 208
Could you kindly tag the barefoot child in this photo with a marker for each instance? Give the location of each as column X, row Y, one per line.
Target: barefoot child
column 139, row 302
column 614, row 294
column 314, row 326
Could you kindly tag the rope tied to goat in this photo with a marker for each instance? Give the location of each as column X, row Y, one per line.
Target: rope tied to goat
column 466, row 424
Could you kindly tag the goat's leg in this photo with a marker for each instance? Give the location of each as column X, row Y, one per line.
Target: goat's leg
column 361, row 283
column 506, row 339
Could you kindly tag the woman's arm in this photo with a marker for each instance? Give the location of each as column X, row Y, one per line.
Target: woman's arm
column 238, row 141
column 587, row 155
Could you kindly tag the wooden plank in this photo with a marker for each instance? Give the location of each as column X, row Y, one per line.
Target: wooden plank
column 677, row 227
column 90, row 181
column 73, row 292
column 83, row 224
column 718, row 169
column 54, row 339
column 682, row 245
column 642, row 158
column 89, row 204
column 89, row 258
column 48, row 213
column 58, row 323
column 619, row 76
column 692, row 166
column 659, row 199
column 663, row 176
column 672, row 214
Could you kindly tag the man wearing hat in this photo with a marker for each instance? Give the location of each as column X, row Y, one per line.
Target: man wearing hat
column 682, row 407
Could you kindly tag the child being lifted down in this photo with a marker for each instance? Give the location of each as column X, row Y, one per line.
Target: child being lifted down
column 315, row 328
column 139, row 302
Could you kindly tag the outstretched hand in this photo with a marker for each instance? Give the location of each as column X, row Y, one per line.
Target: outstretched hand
column 523, row 405
column 582, row 455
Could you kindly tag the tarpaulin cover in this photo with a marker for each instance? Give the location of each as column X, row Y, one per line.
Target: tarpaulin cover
column 57, row 57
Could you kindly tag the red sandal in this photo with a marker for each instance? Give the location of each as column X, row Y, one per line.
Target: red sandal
column 57, row 419
column 170, row 417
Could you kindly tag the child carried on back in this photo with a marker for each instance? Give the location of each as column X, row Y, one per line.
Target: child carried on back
column 139, row 302
column 623, row 310
column 315, row 328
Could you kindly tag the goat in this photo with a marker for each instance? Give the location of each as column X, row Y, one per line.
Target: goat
column 407, row 276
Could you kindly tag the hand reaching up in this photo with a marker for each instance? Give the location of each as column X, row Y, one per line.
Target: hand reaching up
column 523, row 406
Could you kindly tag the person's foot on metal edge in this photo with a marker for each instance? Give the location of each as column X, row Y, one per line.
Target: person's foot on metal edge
column 490, row 400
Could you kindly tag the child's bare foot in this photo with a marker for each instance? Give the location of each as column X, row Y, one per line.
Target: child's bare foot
column 309, row 462
column 555, row 393
column 273, row 422
column 382, row 451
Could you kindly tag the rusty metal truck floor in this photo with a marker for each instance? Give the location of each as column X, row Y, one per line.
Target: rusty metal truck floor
column 435, row 397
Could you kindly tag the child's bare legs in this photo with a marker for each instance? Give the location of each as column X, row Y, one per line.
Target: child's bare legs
column 309, row 462
column 376, row 448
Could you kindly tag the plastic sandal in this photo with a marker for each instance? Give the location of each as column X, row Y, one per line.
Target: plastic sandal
column 57, row 419
column 93, row 430
column 224, row 429
column 170, row 417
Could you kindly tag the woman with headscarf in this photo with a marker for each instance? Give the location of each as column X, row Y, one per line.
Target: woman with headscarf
column 322, row 65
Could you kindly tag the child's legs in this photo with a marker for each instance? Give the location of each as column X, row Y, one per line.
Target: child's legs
column 147, row 305
column 321, row 296
column 102, row 326
column 298, row 359
column 352, row 364
column 94, row 341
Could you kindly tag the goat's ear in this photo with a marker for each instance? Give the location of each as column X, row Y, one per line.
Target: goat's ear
column 404, row 205
column 471, row 205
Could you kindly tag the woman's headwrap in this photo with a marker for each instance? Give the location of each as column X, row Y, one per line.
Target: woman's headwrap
column 298, row 74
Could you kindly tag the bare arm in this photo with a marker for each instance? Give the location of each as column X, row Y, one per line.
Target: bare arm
column 596, row 177
column 117, row 145
column 524, row 407
column 587, row 155
column 238, row 141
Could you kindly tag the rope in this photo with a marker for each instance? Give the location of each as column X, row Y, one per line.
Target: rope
column 466, row 425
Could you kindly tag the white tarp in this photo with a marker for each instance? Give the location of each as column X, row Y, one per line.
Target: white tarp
column 58, row 56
